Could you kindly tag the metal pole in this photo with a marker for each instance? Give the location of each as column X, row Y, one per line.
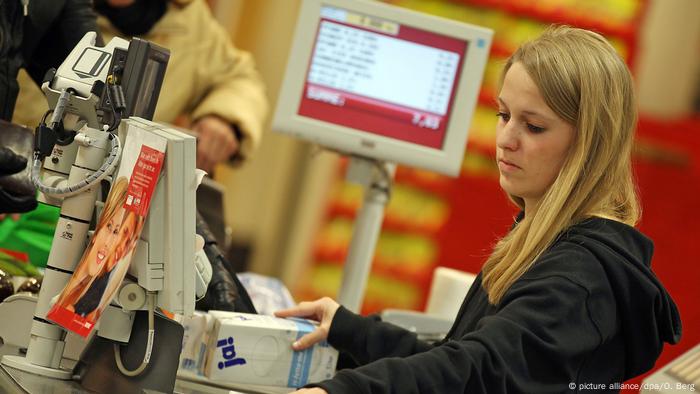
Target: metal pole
column 376, row 177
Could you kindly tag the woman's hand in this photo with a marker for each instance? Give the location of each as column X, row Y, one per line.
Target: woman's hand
column 313, row 390
column 321, row 310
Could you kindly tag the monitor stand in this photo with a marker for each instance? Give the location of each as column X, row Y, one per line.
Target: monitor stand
column 376, row 178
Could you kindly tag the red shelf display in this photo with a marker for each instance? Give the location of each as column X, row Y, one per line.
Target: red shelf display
column 549, row 12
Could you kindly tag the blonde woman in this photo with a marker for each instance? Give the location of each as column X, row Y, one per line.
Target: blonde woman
column 567, row 300
column 116, row 268
column 80, row 292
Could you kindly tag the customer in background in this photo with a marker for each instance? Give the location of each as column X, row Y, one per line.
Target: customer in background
column 36, row 38
column 10, row 200
column 567, row 299
column 210, row 86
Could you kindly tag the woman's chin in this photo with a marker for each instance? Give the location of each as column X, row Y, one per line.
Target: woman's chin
column 507, row 186
column 99, row 263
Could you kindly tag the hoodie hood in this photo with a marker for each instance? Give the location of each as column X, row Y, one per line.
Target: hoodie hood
column 647, row 314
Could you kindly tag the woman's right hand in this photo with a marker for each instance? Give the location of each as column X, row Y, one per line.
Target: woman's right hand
column 321, row 310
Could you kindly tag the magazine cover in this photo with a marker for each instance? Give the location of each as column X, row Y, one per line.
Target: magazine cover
column 106, row 259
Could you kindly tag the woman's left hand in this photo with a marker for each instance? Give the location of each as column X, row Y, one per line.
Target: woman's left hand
column 313, row 390
column 322, row 310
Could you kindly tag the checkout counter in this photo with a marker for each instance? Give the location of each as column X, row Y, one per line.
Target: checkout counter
column 15, row 381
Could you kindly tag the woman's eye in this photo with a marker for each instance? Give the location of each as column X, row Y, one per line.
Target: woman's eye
column 504, row 116
column 535, row 129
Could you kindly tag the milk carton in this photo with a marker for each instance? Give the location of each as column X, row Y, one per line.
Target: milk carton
column 194, row 341
column 257, row 349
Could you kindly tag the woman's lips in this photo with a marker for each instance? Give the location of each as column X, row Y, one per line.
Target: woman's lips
column 101, row 256
column 507, row 166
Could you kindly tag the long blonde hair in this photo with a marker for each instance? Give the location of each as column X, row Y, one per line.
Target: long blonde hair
column 586, row 83
column 115, row 200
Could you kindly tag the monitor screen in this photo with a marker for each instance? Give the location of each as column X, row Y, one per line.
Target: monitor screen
column 383, row 82
column 359, row 77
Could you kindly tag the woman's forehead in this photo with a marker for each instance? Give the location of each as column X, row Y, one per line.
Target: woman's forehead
column 518, row 81
column 519, row 90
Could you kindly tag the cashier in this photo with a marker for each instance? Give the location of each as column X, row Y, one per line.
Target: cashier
column 567, row 298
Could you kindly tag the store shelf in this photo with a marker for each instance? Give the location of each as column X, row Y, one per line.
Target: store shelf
column 382, row 292
column 395, row 253
column 501, row 50
column 415, row 275
column 668, row 143
column 481, row 149
column 626, row 29
column 390, row 223
column 421, row 179
column 488, row 98
column 410, row 209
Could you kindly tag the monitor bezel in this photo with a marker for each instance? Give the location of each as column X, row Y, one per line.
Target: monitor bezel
column 447, row 160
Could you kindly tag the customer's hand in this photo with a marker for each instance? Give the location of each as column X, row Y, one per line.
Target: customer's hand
column 216, row 141
column 321, row 310
column 313, row 390
column 10, row 162
column 12, row 200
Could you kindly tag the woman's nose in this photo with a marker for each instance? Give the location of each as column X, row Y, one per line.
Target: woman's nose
column 507, row 136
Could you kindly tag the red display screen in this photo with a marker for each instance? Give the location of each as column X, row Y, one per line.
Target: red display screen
column 383, row 78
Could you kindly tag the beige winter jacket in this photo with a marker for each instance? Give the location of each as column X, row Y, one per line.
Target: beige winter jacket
column 206, row 75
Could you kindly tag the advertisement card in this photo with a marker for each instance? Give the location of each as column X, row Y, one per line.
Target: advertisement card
column 106, row 259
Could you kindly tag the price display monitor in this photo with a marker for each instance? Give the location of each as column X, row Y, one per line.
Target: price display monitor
column 381, row 82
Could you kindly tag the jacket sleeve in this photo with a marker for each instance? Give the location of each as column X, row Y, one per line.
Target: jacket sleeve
column 367, row 339
column 536, row 342
column 67, row 26
column 233, row 87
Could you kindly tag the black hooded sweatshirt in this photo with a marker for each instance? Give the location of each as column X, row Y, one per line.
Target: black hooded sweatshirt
column 588, row 315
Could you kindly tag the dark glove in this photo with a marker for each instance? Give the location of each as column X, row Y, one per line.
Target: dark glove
column 10, row 163
column 225, row 292
column 11, row 199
